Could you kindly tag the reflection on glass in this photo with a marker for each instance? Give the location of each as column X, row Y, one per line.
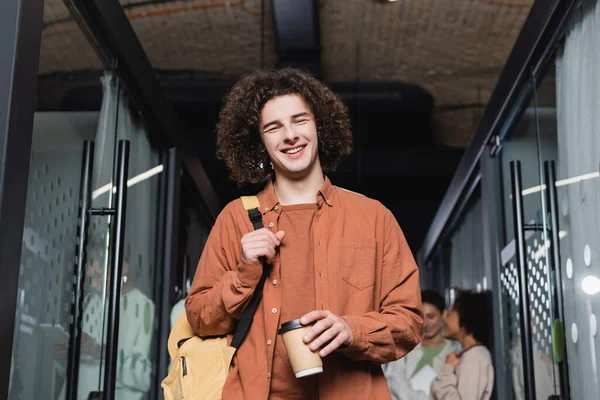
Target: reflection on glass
column 47, row 254
column 590, row 285
column 136, row 321
column 530, row 141
column 136, row 362
column 576, row 93
column 43, row 315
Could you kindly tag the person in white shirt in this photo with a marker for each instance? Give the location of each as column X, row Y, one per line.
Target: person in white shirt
column 409, row 378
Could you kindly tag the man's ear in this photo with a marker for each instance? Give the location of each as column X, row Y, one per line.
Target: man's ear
column 445, row 314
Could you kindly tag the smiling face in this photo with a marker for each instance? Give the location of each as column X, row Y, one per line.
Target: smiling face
column 289, row 134
column 433, row 321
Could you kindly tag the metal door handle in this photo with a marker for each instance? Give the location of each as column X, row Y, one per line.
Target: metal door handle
column 116, row 269
column 85, row 195
column 117, row 237
column 525, row 313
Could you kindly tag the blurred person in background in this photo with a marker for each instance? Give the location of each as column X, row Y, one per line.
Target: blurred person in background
column 468, row 374
column 409, row 378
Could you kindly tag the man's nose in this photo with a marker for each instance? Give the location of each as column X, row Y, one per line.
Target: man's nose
column 290, row 134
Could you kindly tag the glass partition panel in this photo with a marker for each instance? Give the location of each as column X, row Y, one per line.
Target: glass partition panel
column 571, row 86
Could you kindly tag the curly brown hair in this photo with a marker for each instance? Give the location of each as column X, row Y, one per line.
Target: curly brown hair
column 238, row 135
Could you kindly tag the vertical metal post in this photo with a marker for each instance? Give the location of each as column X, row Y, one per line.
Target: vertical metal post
column 166, row 275
column 116, row 269
column 525, row 320
column 85, row 196
column 558, row 302
column 493, row 234
column 20, row 36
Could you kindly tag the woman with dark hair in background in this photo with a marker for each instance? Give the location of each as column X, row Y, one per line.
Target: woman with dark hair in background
column 468, row 374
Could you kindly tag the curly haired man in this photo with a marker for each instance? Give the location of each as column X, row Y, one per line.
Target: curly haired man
column 338, row 260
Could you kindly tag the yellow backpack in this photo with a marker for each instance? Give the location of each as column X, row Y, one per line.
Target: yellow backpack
column 200, row 366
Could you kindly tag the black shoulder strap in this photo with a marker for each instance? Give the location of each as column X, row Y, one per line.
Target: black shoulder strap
column 251, row 204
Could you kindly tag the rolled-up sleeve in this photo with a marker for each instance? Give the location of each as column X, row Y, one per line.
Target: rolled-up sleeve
column 395, row 329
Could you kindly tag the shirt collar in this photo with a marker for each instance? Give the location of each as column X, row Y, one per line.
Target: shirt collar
column 268, row 199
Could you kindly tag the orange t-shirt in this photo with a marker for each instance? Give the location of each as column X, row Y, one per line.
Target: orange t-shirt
column 298, row 296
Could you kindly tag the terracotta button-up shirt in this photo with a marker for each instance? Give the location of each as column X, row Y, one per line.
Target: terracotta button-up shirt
column 364, row 272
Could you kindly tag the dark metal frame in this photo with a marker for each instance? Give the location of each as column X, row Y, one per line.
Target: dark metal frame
column 106, row 24
column 159, row 289
column 167, row 276
column 493, row 227
column 542, row 29
column 20, row 39
column 116, row 269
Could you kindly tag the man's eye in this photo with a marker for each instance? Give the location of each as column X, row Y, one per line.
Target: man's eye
column 299, row 121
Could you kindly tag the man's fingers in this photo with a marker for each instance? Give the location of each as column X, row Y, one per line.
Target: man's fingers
column 259, row 244
column 313, row 316
column 331, row 347
column 323, row 338
column 258, row 236
column 270, row 254
column 266, row 233
column 317, row 329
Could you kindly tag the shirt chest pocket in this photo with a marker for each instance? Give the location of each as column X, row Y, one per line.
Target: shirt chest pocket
column 357, row 260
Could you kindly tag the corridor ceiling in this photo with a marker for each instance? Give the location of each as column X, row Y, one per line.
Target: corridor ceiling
column 406, row 56
column 453, row 48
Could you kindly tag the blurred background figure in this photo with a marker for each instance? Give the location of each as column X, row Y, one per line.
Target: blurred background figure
column 468, row 374
column 410, row 377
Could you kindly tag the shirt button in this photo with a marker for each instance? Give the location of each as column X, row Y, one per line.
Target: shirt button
column 269, row 342
column 328, row 202
column 266, row 208
column 268, row 374
column 274, row 281
column 276, row 208
column 274, row 310
column 271, row 224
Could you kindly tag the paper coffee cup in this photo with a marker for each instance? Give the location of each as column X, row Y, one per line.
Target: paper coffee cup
column 304, row 361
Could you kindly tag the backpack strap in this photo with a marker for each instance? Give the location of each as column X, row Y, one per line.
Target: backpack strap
column 251, row 205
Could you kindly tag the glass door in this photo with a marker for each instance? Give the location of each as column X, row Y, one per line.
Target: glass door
column 531, row 302
column 141, row 281
column 96, row 253
column 573, row 195
column 121, row 290
column 49, row 348
column 86, row 316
